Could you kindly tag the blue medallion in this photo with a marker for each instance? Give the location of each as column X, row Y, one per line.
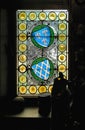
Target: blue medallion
column 42, row 36
column 42, row 69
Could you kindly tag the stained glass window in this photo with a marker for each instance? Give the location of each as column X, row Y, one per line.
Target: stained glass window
column 42, row 49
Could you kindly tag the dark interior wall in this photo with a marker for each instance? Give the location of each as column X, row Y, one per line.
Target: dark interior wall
column 11, row 52
column 34, row 3
column 3, row 54
column 7, row 53
column 77, row 31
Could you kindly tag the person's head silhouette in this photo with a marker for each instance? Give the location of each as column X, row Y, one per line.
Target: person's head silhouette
column 61, row 75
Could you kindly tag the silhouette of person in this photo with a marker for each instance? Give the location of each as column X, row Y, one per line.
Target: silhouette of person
column 60, row 105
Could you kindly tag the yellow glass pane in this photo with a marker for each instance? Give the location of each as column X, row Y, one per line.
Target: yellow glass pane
column 42, row 89
column 62, row 47
column 22, row 37
column 22, row 16
column 32, row 16
column 22, row 68
column 22, row 58
column 50, row 89
column 32, row 89
column 42, row 16
column 22, row 26
column 22, row 89
column 62, row 58
column 62, row 16
column 62, row 26
column 22, row 78
column 62, row 68
column 62, row 37
column 52, row 15
column 22, row 47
